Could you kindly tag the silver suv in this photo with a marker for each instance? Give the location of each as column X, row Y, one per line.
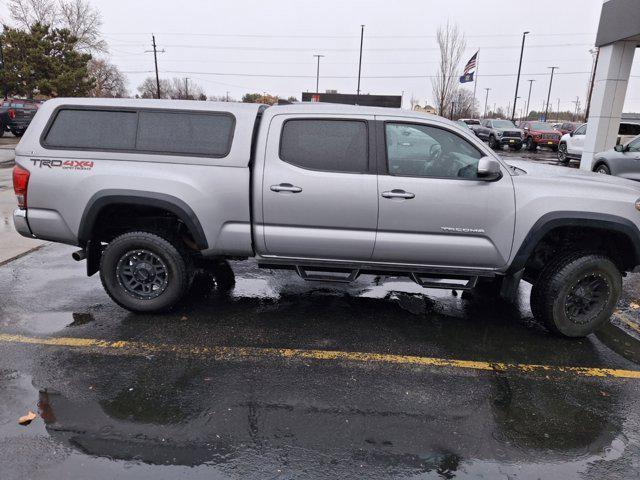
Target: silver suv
column 498, row 132
column 159, row 194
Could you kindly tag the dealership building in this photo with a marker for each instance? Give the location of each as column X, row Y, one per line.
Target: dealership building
column 617, row 40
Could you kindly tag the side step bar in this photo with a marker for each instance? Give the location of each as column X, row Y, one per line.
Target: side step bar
column 315, row 275
column 450, row 282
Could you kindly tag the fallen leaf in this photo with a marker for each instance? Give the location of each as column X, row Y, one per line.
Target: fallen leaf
column 27, row 419
column 634, row 305
column 183, row 318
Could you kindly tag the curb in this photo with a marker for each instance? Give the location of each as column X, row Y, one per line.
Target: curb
column 622, row 335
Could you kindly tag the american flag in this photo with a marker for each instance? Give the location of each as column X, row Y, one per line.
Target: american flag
column 471, row 64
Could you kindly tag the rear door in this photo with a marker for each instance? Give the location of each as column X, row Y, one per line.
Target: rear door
column 434, row 211
column 319, row 188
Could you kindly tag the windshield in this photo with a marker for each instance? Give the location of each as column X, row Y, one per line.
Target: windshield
column 541, row 126
column 503, row 124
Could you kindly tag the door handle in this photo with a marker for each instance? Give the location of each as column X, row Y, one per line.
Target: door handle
column 396, row 193
column 285, row 187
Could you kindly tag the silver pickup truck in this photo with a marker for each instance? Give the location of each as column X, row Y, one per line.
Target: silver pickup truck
column 157, row 193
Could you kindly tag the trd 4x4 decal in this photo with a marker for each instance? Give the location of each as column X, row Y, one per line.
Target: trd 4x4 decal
column 65, row 165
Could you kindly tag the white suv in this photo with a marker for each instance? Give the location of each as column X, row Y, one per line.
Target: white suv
column 572, row 144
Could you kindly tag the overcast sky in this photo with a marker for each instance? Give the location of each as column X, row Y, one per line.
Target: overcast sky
column 244, row 46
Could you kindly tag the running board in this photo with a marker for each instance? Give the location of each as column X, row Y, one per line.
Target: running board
column 311, row 274
column 451, row 282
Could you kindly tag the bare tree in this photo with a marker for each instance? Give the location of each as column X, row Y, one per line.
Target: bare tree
column 84, row 22
column 186, row 89
column 465, row 104
column 78, row 16
column 452, row 44
column 109, row 80
column 147, row 89
column 26, row 13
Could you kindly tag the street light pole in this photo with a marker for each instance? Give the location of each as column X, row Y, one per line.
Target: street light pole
column 546, row 111
column 486, row 98
column 528, row 98
column 513, row 114
column 360, row 62
column 318, row 73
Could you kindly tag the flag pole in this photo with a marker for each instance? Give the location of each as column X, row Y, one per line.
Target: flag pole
column 475, row 81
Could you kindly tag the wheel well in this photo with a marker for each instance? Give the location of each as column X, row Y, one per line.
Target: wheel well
column 117, row 218
column 599, row 162
column 616, row 245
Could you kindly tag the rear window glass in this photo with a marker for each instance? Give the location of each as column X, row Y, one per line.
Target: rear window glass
column 331, row 145
column 93, row 129
column 185, row 133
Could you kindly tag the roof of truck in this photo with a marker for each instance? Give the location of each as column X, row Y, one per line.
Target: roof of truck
column 155, row 103
column 321, row 107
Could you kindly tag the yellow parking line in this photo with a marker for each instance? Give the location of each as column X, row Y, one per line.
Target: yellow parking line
column 221, row 352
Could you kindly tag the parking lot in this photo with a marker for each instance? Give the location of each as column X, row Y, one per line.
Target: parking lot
column 285, row 378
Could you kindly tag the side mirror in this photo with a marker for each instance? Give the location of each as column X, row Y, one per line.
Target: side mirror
column 571, row 133
column 489, row 169
column 619, row 148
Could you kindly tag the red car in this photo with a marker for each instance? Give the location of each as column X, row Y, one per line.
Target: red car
column 567, row 127
column 540, row 134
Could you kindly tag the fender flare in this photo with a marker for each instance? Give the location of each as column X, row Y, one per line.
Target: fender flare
column 553, row 220
column 170, row 203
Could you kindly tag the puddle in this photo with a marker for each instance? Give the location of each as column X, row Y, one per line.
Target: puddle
column 51, row 322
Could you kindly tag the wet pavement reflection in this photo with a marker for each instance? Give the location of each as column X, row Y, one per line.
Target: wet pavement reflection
column 162, row 415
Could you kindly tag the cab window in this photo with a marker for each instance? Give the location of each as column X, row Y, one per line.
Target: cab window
column 581, row 130
column 415, row 150
column 634, row 145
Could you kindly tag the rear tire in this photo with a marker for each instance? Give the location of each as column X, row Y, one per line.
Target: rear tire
column 144, row 272
column 576, row 293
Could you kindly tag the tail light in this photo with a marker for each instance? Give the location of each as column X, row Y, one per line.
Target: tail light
column 20, row 183
column 12, row 113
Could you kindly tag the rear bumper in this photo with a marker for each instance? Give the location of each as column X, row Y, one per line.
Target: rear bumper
column 20, row 223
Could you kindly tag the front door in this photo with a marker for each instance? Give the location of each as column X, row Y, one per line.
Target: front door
column 576, row 142
column 434, row 210
column 319, row 188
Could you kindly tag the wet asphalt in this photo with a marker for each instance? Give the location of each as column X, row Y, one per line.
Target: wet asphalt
column 178, row 412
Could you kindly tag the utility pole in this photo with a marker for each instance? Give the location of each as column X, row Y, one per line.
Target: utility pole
column 186, row 88
column 575, row 111
column 515, row 97
column 546, row 111
column 360, row 63
column 594, row 66
column 155, row 60
column 486, row 98
column 4, row 78
column 227, row 95
column 528, row 98
column 558, row 112
column 318, row 73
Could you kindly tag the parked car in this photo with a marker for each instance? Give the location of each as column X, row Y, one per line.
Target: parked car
column 499, row 132
column 473, row 123
column 16, row 114
column 165, row 191
column 571, row 144
column 627, row 131
column 539, row 134
column 464, row 125
column 566, row 127
column 622, row 160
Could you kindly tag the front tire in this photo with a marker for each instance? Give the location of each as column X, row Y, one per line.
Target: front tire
column 576, row 293
column 144, row 272
column 562, row 153
column 516, row 148
column 493, row 144
column 603, row 169
column 17, row 132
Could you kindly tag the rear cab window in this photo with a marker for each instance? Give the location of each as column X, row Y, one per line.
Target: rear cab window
column 154, row 131
column 326, row 145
